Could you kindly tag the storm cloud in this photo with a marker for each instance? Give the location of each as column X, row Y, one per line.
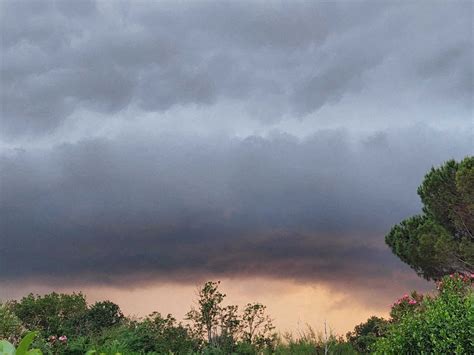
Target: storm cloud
column 164, row 140
column 274, row 60
column 308, row 209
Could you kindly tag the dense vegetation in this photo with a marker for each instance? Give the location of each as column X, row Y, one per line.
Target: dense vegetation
column 65, row 324
column 438, row 244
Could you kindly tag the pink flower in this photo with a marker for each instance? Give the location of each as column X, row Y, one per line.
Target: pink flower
column 63, row 338
column 412, row 302
column 406, row 296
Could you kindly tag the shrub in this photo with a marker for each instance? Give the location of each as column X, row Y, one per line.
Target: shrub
column 11, row 327
column 364, row 335
column 440, row 325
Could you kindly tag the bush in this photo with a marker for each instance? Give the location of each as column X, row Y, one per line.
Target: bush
column 440, row 325
column 11, row 327
column 366, row 334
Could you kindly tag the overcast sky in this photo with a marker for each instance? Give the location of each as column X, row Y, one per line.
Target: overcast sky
column 146, row 141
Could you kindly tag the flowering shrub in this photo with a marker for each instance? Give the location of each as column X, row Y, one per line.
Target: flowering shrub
column 405, row 305
column 441, row 325
column 57, row 344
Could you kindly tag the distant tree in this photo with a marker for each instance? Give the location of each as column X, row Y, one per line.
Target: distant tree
column 206, row 318
column 230, row 325
column 103, row 314
column 441, row 240
column 257, row 326
column 364, row 335
column 52, row 314
column 169, row 336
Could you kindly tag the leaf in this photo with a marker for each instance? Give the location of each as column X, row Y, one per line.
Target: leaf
column 34, row 352
column 25, row 343
column 6, row 348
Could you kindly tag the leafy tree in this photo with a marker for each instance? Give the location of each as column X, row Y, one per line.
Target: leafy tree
column 364, row 335
column 441, row 240
column 104, row 314
column 257, row 325
column 169, row 336
column 441, row 325
column 230, row 325
column 207, row 316
column 52, row 314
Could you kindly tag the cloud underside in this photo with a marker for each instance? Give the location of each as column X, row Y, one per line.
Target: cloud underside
column 313, row 209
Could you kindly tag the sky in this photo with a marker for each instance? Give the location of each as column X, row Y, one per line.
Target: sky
column 146, row 147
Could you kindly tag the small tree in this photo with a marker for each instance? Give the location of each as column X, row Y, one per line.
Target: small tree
column 257, row 326
column 206, row 318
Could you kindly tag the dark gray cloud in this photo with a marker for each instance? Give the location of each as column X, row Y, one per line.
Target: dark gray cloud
column 180, row 141
column 142, row 206
column 273, row 59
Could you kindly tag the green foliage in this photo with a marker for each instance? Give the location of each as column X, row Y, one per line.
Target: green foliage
column 206, row 317
column 154, row 334
column 309, row 342
column 406, row 305
column 52, row 314
column 6, row 348
column 221, row 327
column 257, row 326
column 11, row 327
column 440, row 325
column 364, row 335
column 440, row 241
column 102, row 315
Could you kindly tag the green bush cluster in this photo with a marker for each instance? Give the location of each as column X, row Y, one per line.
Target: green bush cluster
column 437, row 325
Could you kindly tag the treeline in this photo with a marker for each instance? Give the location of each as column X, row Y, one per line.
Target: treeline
column 66, row 324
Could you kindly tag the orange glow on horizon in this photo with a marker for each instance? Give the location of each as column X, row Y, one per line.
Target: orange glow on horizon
column 293, row 306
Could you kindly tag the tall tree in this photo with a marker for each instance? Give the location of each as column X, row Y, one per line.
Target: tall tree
column 440, row 241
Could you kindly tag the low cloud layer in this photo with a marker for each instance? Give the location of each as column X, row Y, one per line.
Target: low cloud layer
column 144, row 207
